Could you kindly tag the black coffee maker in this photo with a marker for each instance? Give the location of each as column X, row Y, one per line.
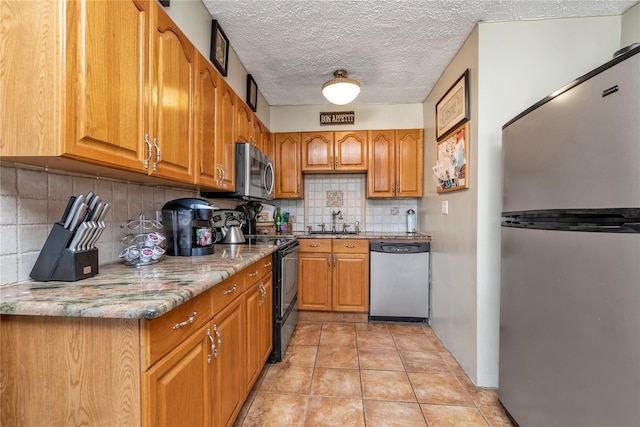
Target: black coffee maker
column 188, row 228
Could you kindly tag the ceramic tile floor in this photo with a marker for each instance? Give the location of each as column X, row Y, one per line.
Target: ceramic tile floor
column 368, row 374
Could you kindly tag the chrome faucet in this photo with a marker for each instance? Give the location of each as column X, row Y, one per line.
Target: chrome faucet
column 357, row 227
column 335, row 214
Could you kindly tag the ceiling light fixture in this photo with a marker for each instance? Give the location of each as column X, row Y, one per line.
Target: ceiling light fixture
column 340, row 90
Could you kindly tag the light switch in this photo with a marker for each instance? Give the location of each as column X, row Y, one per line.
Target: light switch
column 445, row 207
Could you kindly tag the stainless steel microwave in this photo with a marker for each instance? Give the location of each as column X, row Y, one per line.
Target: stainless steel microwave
column 255, row 177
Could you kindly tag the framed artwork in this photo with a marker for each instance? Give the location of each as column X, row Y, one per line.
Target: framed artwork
column 252, row 93
column 219, row 54
column 453, row 108
column 451, row 171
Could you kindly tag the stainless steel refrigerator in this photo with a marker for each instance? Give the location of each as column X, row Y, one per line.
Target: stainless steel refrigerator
column 570, row 286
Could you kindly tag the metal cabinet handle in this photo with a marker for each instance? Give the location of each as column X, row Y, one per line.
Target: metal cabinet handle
column 158, row 154
column 350, row 246
column 149, row 150
column 232, row 290
column 263, row 294
column 254, row 274
column 334, row 262
column 267, row 265
column 215, row 329
column 213, row 346
column 186, row 322
column 314, row 246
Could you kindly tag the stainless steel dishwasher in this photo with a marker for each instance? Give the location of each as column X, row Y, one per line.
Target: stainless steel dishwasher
column 399, row 279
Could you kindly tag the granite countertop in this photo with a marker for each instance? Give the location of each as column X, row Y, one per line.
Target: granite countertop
column 382, row 235
column 120, row 291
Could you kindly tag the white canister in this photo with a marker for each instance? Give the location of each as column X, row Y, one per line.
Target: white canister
column 411, row 221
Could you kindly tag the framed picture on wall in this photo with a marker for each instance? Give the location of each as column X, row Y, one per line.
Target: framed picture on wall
column 252, row 93
column 453, row 108
column 219, row 54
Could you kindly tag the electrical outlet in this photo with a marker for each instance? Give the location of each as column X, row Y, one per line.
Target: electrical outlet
column 445, row 207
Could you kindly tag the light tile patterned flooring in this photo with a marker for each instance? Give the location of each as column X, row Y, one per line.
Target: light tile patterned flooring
column 346, row 374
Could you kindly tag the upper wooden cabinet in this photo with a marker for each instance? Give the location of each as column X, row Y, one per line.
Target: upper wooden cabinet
column 244, row 122
column 173, row 101
column 226, row 134
column 334, row 151
column 395, row 163
column 208, row 172
column 121, row 98
column 288, row 172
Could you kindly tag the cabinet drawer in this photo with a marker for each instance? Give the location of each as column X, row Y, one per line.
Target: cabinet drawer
column 257, row 271
column 315, row 245
column 226, row 291
column 163, row 334
column 351, row 246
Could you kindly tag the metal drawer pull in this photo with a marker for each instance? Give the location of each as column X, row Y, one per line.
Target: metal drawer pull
column 213, row 346
column 314, row 246
column 215, row 352
column 350, row 246
column 232, row 290
column 254, row 274
column 267, row 265
column 158, row 154
column 186, row 322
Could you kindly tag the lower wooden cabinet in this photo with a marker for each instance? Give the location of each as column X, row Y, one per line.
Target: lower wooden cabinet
column 333, row 276
column 259, row 300
column 177, row 389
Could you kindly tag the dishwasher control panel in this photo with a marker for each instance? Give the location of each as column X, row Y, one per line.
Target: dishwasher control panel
column 400, row 247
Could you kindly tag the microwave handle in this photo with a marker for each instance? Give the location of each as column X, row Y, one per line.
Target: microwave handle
column 269, row 170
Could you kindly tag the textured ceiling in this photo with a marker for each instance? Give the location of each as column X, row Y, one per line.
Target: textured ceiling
column 396, row 49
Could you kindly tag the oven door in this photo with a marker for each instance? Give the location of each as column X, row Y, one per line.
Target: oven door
column 289, row 277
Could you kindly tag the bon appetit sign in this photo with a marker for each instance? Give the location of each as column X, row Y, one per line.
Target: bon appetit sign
column 338, row 118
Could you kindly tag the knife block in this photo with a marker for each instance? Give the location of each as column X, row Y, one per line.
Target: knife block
column 57, row 262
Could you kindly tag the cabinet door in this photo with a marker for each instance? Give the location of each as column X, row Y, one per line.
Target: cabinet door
column 226, row 135
column 381, row 173
column 317, row 151
column 267, row 142
column 176, row 390
column 253, row 300
column 350, row 151
column 208, row 155
column 244, row 122
column 288, row 173
column 266, row 318
column 228, row 373
column 106, row 82
column 314, row 281
column 351, row 282
column 409, row 163
column 173, row 95
column 256, row 134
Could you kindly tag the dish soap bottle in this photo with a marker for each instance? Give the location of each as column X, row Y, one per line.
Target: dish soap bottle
column 411, row 221
column 278, row 220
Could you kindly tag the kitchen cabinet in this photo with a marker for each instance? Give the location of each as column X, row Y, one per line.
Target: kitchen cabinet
column 186, row 367
column 121, row 99
column 226, row 134
column 395, row 163
column 209, row 163
column 288, row 162
column 244, row 122
column 334, row 151
column 333, row 275
column 267, row 142
column 259, row 313
column 178, row 388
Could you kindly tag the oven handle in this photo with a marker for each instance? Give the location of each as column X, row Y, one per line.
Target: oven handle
column 292, row 247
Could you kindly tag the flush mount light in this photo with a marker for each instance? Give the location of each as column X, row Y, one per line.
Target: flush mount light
column 340, row 90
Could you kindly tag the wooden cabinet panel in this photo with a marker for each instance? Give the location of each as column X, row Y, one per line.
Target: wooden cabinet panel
column 395, row 163
column 106, row 82
column 288, row 172
column 209, row 153
column 228, row 373
column 315, row 245
column 351, row 282
column 259, row 328
column 266, row 319
column 173, row 93
column 317, row 151
column 314, row 281
column 350, row 151
column 177, row 390
column 358, row 246
column 244, row 122
column 409, row 163
column 226, row 291
column 226, row 134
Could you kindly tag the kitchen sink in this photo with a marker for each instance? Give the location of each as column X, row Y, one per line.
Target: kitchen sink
column 340, row 233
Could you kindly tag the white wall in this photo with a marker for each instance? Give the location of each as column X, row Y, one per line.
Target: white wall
column 306, row 118
column 630, row 32
column 513, row 65
column 195, row 21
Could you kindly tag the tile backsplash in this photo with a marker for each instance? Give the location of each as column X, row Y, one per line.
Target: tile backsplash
column 32, row 200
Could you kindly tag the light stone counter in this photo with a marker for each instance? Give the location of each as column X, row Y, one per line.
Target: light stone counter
column 120, row 291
